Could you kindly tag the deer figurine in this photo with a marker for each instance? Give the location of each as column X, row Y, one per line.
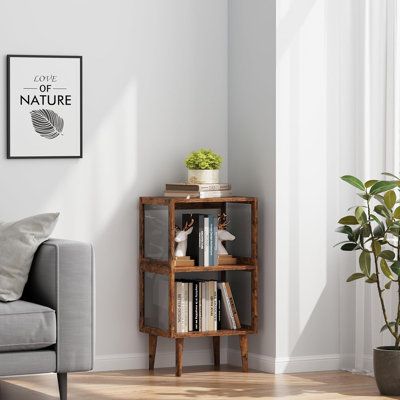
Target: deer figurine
column 223, row 234
column 181, row 236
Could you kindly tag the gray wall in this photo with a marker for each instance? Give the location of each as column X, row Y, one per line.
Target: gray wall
column 155, row 87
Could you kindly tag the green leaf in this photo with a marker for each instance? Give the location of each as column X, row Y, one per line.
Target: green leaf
column 390, row 199
column 382, row 186
column 349, row 247
column 395, row 230
column 339, row 243
column 378, row 231
column 395, row 267
column 396, row 213
column 352, row 180
column 356, row 275
column 386, row 270
column 344, row 229
column 387, row 255
column 360, row 215
column 348, row 220
column 384, row 327
column 388, row 284
column 364, row 196
column 370, row 183
column 389, row 174
column 365, row 262
column 382, row 210
column 372, row 279
column 376, row 247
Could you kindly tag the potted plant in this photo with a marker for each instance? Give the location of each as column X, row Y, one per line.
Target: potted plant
column 203, row 166
column 374, row 231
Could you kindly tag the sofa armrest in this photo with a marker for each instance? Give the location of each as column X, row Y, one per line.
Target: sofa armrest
column 62, row 277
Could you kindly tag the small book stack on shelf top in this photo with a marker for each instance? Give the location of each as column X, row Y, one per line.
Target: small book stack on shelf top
column 200, row 190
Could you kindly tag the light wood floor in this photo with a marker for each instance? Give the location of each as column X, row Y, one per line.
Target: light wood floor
column 195, row 383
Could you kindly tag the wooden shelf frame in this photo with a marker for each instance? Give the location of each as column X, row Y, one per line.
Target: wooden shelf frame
column 167, row 268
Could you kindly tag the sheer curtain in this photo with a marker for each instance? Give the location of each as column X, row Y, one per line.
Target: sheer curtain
column 376, row 71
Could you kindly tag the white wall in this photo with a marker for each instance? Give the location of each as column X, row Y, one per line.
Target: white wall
column 307, row 313
column 252, row 148
column 155, row 87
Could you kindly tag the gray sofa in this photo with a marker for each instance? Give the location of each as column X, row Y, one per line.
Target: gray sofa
column 51, row 328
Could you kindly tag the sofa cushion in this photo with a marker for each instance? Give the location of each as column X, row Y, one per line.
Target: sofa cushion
column 18, row 244
column 26, row 326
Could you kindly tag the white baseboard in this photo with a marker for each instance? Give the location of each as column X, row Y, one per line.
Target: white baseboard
column 115, row 362
column 280, row 365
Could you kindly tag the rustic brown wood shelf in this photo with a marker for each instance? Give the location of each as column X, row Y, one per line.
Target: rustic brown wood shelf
column 166, row 268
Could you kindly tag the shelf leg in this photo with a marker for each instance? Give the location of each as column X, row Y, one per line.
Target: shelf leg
column 152, row 350
column 179, row 356
column 244, row 350
column 216, row 348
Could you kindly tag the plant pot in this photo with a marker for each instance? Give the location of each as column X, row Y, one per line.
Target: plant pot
column 387, row 370
column 203, row 175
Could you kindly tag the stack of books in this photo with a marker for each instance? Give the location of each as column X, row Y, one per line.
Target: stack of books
column 203, row 306
column 202, row 191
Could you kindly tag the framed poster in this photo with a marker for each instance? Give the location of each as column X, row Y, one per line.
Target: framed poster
column 44, row 106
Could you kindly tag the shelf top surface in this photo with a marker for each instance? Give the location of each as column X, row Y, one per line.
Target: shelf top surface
column 169, row 200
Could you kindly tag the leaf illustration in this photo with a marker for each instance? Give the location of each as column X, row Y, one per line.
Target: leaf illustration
column 47, row 123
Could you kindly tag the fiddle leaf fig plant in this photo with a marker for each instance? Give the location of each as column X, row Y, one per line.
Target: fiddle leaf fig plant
column 373, row 230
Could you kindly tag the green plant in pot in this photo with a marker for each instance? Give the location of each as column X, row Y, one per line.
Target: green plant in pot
column 203, row 166
column 373, row 230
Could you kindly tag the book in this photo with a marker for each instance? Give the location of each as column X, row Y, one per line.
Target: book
column 215, row 298
column 193, row 239
column 201, row 240
column 185, row 310
column 203, row 307
column 211, row 239
column 203, row 187
column 202, row 195
column 179, row 294
column 190, row 306
column 211, row 305
column 228, row 320
column 196, row 310
column 232, row 305
column 219, row 307
column 206, row 241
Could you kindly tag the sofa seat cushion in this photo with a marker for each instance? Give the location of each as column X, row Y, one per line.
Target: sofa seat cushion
column 26, row 326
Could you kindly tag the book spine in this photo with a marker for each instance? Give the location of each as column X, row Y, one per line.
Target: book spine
column 215, row 293
column 216, row 193
column 219, row 310
column 216, row 240
column 211, row 305
column 203, row 306
column 232, row 305
column 178, row 306
column 185, row 311
column 211, row 240
column 190, row 306
column 201, row 241
column 227, row 313
column 193, row 239
column 206, row 241
column 196, row 310
column 207, row 296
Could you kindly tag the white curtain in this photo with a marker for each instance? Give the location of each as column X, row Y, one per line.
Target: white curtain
column 376, row 71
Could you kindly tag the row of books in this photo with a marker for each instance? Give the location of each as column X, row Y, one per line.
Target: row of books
column 202, row 245
column 202, row 191
column 203, row 306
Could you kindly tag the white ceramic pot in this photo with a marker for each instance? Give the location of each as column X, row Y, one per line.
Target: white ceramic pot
column 203, row 175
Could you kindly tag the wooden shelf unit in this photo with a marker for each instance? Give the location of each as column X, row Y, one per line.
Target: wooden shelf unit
column 166, row 268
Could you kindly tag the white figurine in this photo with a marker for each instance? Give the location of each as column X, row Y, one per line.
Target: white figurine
column 223, row 234
column 181, row 238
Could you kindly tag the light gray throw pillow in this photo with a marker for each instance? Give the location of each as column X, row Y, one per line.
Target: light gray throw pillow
column 18, row 244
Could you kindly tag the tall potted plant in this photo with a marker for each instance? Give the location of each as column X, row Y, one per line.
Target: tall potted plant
column 203, row 166
column 374, row 231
